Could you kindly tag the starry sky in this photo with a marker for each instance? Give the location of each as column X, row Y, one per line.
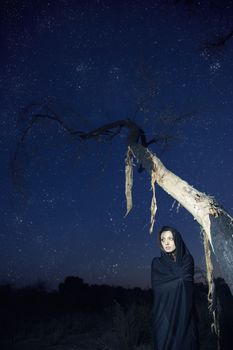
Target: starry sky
column 94, row 62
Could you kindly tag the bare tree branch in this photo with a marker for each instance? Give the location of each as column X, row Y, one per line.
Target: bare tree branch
column 204, row 208
column 220, row 41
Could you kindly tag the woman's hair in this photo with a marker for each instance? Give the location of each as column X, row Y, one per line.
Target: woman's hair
column 167, row 228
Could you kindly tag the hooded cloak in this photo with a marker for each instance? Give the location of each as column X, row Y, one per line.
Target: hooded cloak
column 172, row 283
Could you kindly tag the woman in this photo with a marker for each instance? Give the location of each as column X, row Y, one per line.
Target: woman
column 172, row 283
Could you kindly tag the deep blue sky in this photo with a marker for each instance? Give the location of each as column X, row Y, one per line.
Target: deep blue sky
column 93, row 62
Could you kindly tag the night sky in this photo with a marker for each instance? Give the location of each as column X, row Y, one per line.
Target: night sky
column 94, row 62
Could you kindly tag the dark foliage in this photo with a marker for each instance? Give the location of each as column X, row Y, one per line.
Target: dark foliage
column 32, row 305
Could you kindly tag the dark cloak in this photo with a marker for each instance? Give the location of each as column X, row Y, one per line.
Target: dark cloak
column 173, row 324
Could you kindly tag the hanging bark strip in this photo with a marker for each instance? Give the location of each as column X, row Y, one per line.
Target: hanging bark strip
column 128, row 180
column 209, row 266
column 153, row 207
column 210, row 280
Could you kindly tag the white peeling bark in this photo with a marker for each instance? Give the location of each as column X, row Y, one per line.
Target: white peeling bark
column 197, row 203
column 128, row 180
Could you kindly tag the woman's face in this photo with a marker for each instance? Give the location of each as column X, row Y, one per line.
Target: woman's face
column 167, row 241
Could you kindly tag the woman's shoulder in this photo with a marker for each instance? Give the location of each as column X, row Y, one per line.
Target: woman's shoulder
column 188, row 258
column 155, row 261
column 188, row 261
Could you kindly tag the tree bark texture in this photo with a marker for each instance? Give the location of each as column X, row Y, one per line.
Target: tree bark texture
column 217, row 224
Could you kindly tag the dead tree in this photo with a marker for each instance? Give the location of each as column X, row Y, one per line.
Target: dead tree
column 215, row 222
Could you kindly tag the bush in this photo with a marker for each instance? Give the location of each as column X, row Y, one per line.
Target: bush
column 132, row 326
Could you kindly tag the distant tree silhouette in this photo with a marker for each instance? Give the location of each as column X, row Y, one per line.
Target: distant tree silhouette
column 71, row 284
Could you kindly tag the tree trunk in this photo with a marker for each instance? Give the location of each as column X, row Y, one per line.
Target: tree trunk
column 217, row 224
